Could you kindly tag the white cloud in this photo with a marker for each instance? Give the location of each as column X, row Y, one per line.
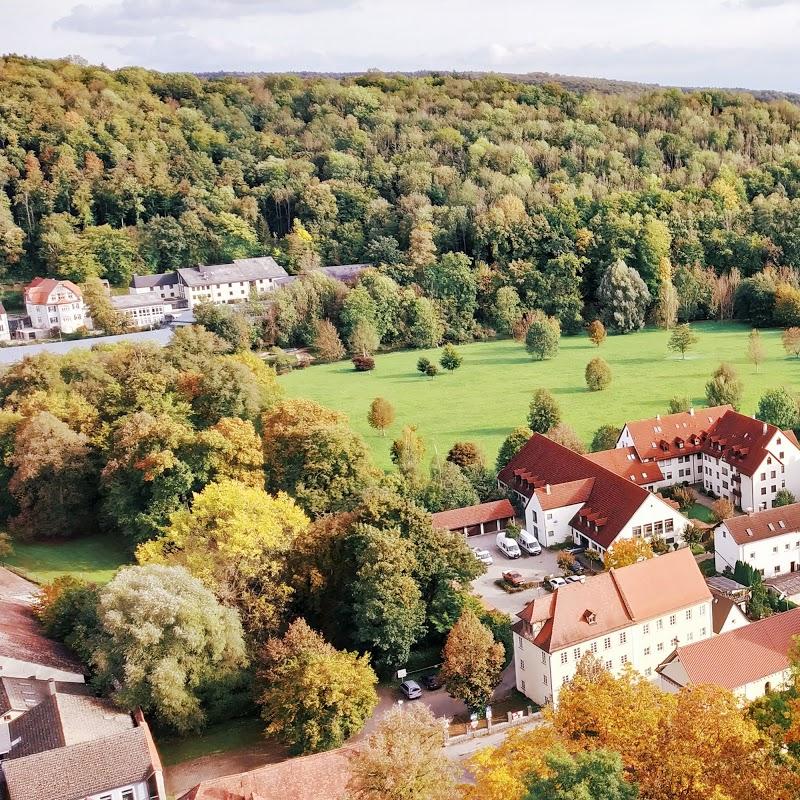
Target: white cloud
column 145, row 17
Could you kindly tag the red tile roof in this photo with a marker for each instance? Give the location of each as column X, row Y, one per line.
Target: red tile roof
column 610, row 503
column 743, row 655
column 659, row 438
column 38, row 291
column 625, row 461
column 323, row 776
column 764, row 524
column 617, row 599
column 458, row 518
column 740, row 440
column 564, row 494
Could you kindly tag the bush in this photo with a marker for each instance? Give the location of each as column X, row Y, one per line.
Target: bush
column 684, row 496
column 451, row 359
column 543, row 336
column 431, row 370
column 783, row 498
column 721, row 509
column 363, row 363
column 423, row 364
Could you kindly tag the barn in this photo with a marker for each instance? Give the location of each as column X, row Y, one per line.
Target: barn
column 490, row 517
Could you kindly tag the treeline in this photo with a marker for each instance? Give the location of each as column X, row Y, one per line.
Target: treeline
column 538, row 190
column 270, row 552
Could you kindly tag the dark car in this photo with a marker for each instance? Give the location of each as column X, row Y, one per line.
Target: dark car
column 433, row 682
column 576, row 568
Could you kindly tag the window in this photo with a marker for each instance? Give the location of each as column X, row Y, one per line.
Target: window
column 607, row 643
column 646, row 628
column 647, row 651
column 544, row 657
column 702, row 631
column 544, row 679
column 660, row 625
column 593, row 648
column 624, row 659
column 623, row 637
column 763, row 490
column 521, row 664
column 688, row 613
column 660, row 646
column 690, row 637
column 763, row 476
column 672, row 619
column 577, row 653
column 674, row 642
column 519, row 640
column 777, row 570
column 774, row 549
column 564, row 657
column 522, row 685
column 648, row 671
column 549, row 515
column 669, row 525
column 702, row 611
column 637, row 531
column 772, row 474
column 564, row 679
column 127, row 794
column 608, row 664
column 752, row 555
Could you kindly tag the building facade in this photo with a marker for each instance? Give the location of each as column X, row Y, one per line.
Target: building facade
column 569, row 497
column 144, row 311
column 634, row 616
column 5, row 330
column 51, row 304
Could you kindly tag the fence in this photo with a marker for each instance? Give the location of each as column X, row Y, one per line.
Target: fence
column 461, row 731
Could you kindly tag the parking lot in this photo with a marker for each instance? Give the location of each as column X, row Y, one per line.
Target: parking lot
column 533, row 568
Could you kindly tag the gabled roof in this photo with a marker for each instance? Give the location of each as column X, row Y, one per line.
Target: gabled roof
column 751, row 653
column 740, row 440
column 761, row 525
column 673, row 435
column 616, row 599
column 22, row 694
column 87, row 768
column 38, row 291
column 458, row 518
column 625, row 462
column 721, row 609
column 152, row 281
column 560, row 495
column 242, row 269
column 608, row 504
column 323, row 776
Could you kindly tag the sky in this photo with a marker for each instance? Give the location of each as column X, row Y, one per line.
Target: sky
column 735, row 43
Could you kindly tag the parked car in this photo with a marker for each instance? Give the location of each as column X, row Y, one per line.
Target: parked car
column 484, row 556
column 513, row 578
column 411, row 689
column 576, row 568
column 508, row 547
column 576, row 579
column 528, row 543
column 433, row 682
column 553, row 582
column 576, row 550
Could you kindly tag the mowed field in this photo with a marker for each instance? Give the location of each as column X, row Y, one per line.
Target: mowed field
column 489, row 395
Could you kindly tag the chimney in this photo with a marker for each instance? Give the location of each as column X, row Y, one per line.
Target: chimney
column 764, row 428
column 547, row 488
column 691, row 412
column 658, row 417
column 51, row 685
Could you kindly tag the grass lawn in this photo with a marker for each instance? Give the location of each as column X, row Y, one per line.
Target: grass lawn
column 93, row 558
column 489, row 395
column 220, row 738
column 701, row 512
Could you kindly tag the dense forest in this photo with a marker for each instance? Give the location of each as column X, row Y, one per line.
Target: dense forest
column 485, row 194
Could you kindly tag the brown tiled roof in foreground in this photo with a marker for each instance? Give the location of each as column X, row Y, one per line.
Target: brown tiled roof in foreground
column 72, row 773
column 608, row 504
column 617, row 598
column 459, row 518
column 743, row 655
column 764, row 524
column 323, row 776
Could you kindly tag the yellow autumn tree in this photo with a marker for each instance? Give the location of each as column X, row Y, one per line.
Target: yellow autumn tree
column 627, row 551
column 232, row 450
column 235, row 538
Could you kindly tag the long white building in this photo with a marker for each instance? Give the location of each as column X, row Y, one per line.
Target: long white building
column 636, row 616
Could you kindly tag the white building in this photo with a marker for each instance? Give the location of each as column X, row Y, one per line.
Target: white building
column 769, row 541
column 732, row 455
column 214, row 283
column 636, row 616
column 143, row 311
column 5, row 330
column 569, row 497
column 53, row 304
column 749, row 661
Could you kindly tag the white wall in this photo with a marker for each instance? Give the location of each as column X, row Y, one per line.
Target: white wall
column 645, row 645
column 774, row 556
column 550, row 527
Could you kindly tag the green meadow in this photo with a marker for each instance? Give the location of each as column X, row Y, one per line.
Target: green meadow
column 489, row 395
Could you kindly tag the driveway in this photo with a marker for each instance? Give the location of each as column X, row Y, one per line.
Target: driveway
column 533, row 568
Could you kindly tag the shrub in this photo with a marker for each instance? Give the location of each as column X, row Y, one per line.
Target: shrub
column 431, row 370
column 722, row 509
column 423, row 364
column 684, row 496
column 363, row 363
column 598, row 375
column 465, row 454
column 451, row 359
column 543, row 336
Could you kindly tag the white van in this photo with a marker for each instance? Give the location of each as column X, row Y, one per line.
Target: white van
column 529, row 543
column 508, row 547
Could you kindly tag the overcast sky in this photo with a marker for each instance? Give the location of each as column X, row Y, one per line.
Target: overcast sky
column 747, row 43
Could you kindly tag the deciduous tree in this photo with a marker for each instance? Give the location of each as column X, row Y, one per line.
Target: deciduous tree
column 543, row 336
column 544, row 413
column 627, row 551
column 512, row 444
column 779, row 407
column 598, row 375
column 381, row 414
column 791, row 341
column 756, row 352
column 682, row 340
column 725, row 387
column 605, row 438
column 597, row 332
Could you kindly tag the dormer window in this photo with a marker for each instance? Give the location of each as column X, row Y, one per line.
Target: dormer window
column 590, row 617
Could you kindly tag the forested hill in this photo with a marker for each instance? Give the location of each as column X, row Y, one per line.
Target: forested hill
column 108, row 172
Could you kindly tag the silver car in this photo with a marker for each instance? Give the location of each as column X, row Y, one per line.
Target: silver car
column 484, row 556
column 411, row 689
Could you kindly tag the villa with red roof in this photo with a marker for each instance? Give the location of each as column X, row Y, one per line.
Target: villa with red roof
column 51, row 303
column 571, row 497
column 749, row 661
column 732, row 455
column 633, row 616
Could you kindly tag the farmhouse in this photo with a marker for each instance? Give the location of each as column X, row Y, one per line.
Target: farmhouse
column 731, row 454
column 632, row 616
column 769, row 541
column 490, row 517
column 569, row 497
column 750, row 660
column 50, row 304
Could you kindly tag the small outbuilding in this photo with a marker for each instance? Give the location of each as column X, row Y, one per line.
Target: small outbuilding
column 490, row 517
